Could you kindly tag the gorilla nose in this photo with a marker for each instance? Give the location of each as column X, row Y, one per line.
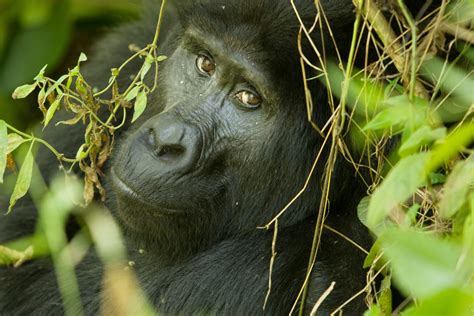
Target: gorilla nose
column 173, row 141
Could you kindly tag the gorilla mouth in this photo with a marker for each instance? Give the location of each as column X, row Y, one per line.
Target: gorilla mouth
column 132, row 197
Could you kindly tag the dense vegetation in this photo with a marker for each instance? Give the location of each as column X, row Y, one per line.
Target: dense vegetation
column 409, row 112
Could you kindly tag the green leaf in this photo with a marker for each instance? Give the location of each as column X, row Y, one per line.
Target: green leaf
column 23, row 91
column 10, row 256
column 3, row 148
column 146, row 66
column 24, row 179
column 423, row 265
column 385, row 295
column 140, row 105
column 51, row 110
column 374, row 310
column 161, row 58
column 375, row 254
column 82, row 58
column 81, row 154
column 132, row 94
column 388, row 118
column 56, row 85
column 14, row 140
column 362, row 214
column 401, row 182
column 452, row 302
column 451, row 146
column 460, row 182
column 400, row 112
column 422, row 136
column 40, row 75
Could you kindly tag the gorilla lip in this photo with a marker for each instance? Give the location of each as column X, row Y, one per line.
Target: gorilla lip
column 120, row 185
column 123, row 187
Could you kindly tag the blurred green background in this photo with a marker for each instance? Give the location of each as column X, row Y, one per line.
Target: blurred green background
column 34, row 33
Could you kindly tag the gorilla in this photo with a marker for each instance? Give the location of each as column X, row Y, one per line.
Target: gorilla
column 224, row 144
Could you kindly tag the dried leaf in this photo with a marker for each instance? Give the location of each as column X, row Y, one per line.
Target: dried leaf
column 42, row 100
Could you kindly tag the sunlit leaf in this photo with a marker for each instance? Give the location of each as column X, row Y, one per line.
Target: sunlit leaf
column 374, row 310
column 146, row 66
column 460, row 182
column 51, row 110
column 13, row 257
column 422, row 136
column 56, row 85
column 452, row 302
column 24, row 179
column 454, row 143
column 3, row 148
column 14, row 140
column 451, row 79
column 81, row 154
column 161, row 58
column 132, row 94
column 82, row 57
column 40, row 75
column 423, row 265
column 401, row 182
column 23, row 91
column 362, row 214
column 140, row 105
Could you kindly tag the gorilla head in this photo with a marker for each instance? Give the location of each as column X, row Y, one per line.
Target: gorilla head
column 225, row 142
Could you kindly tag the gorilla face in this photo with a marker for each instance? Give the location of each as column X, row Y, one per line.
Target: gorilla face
column 223, row 144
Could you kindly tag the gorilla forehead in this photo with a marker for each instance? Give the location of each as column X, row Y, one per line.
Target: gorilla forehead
column 265, row 29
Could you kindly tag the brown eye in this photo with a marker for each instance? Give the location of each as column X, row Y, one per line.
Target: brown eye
column 249, row 99
column 205, row 65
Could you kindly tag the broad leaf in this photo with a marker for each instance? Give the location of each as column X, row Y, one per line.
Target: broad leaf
column 460, row 182
column 422, row 136
column 452, row 302
column 401, row 182
column 423, row 265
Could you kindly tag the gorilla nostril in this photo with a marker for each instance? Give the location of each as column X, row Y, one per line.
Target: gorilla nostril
column 170, row 151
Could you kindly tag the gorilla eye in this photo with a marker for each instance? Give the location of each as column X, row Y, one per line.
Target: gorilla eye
column 249, row 99
column 205, row 65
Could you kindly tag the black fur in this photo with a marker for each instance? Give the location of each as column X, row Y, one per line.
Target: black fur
column 198, row 221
